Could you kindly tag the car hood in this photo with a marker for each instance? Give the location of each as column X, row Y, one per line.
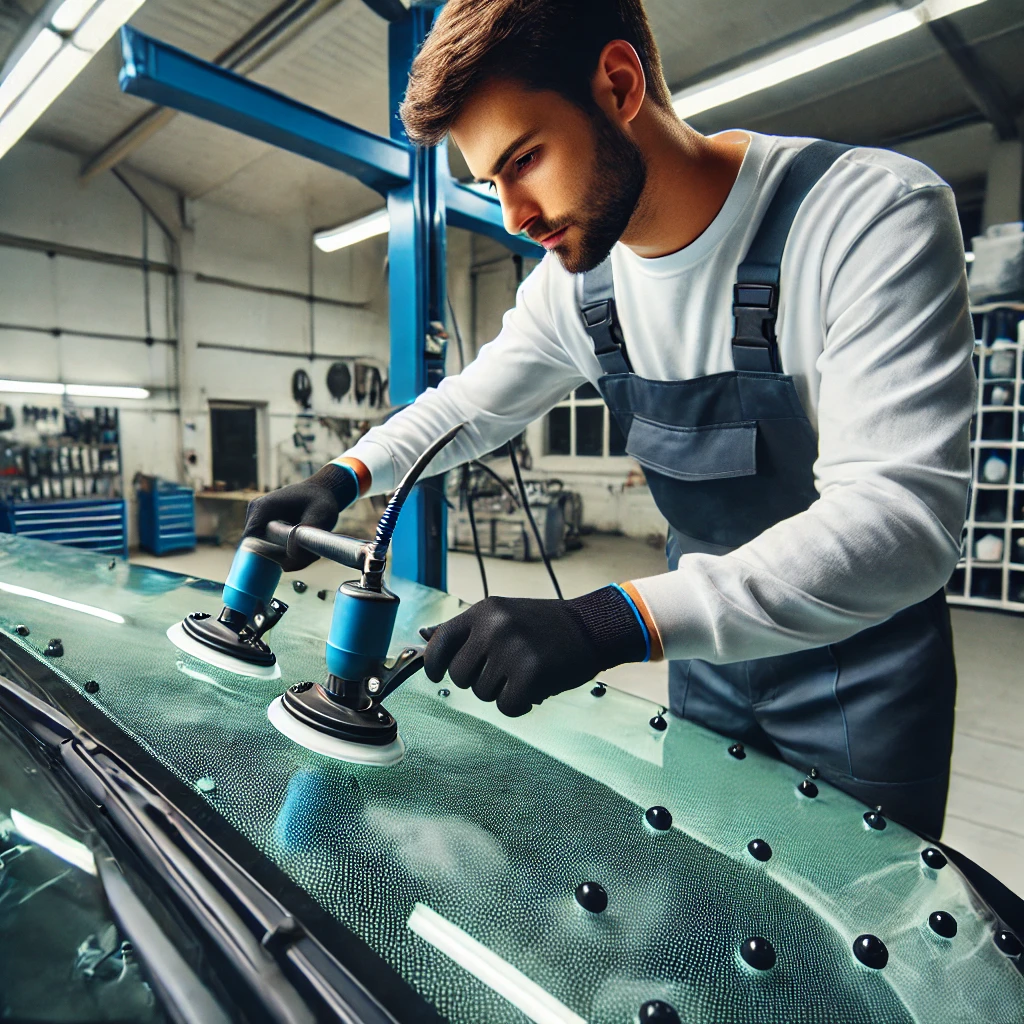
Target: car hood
column 458, row 867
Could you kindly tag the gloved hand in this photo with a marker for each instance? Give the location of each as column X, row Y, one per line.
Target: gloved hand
column 316, row 501
column 519, row 651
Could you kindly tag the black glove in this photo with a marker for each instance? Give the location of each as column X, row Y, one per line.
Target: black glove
column 313, row 502
column 518, row 651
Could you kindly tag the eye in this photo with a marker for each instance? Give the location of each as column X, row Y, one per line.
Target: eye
column 526, row 161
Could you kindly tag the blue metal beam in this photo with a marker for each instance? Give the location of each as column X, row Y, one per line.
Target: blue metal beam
column 416, row 258
column 473, row 211
column 173, row 78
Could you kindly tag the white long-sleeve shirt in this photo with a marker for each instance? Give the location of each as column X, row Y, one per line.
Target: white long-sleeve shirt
column 873, row 326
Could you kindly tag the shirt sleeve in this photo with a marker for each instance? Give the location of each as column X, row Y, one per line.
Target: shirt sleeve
column 514, row 379
column 896, row 396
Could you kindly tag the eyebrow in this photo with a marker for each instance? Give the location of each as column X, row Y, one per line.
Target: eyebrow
column 506, row 153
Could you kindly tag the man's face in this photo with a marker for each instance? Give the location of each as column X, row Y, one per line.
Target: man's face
column 568, row 179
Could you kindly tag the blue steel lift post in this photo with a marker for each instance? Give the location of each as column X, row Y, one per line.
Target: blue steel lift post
column 422, row 198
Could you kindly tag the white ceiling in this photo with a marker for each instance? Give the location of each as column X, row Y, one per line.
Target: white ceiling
column 340, row 65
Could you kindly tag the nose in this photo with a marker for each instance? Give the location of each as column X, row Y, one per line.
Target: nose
column 518, row 211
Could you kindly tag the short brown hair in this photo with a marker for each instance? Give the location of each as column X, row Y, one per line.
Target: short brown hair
column 545, row 44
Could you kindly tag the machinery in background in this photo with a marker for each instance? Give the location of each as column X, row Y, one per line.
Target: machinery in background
column 502, row 525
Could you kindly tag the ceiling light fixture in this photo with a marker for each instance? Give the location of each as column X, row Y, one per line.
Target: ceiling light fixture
column 35, row 387
column 851, row 37
column 53, row 59
column 332, row 239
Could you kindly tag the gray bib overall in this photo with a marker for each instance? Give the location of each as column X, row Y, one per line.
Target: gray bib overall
column 728, row 455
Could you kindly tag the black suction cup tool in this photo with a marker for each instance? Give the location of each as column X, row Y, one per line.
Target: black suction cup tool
column 230, row 633
column 352, row 710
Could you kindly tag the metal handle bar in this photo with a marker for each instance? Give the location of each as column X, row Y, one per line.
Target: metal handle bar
column 335, row 546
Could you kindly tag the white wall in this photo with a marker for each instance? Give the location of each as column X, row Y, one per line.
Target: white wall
column 41, row 199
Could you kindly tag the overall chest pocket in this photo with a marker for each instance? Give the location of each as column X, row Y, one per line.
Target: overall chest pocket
column 720, row 451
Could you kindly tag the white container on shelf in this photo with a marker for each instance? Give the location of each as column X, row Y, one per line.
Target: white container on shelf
column 988, row 548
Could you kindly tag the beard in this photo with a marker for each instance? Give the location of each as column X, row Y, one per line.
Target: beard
column 610, row 198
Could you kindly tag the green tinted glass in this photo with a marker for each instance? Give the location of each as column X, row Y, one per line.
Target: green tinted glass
column 482, row 834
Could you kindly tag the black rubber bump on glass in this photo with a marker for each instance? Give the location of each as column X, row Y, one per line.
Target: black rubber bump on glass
column 1008, row 943
column 942, row 924
column 737, row 751
column 322, row 594
column 92, row 686
column 808, row 788
column 759, row 849
column 22, row 630
column 659, row 818
column 302, row 687
column 758, row 952
column 112, row 564
column 54, row 649
column 654, row 1011
column 870, row 951
column 874, row 819
column 933, row 858
column 592, row 896
column 444, row 692
column 598, row 690
column 299, row 587
column 658, row 722
column 813, row 773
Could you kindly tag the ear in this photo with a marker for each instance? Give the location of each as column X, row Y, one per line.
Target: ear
column 619, row 85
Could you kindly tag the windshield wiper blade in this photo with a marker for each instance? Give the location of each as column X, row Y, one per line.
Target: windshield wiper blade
column 181, row 991
column 245, row 921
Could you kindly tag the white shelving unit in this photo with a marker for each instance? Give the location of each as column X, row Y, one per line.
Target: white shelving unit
column 997, row 435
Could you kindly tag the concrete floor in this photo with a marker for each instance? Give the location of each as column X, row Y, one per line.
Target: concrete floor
column 985, row 814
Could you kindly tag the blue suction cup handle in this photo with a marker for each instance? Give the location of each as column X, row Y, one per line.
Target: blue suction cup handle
column 252, row 580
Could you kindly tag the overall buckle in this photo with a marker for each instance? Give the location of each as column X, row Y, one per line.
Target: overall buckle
column 755, row 307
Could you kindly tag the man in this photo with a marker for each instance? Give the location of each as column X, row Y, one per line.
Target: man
column 806, row 441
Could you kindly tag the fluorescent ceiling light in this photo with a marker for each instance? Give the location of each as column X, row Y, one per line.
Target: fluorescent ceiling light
column 103, row 391
column 31, row 62
column 36, row 81
column 49, row 838
column 35, row 387
column 62, row 602
column 69, row 15
column 858, row 34
column 98, row 29
column 332, row 239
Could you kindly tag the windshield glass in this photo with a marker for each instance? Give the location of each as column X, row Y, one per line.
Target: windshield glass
column 55, row 924
column 459, row 865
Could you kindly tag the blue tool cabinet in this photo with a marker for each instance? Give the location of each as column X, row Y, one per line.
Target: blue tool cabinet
column 97, row 524
column 167, row 518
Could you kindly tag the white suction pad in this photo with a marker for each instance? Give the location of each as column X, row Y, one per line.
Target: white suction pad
column 177, row 635
column 331, row 746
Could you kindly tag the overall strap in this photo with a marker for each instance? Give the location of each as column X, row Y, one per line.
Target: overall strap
column 756, row 293
column 600, row 321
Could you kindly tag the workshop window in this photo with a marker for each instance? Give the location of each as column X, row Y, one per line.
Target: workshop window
column 581, row 425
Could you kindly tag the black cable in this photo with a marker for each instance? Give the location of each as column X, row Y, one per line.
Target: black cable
column 504, row 485
column 458, row 336
column 533, row 522
column 472, row 526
